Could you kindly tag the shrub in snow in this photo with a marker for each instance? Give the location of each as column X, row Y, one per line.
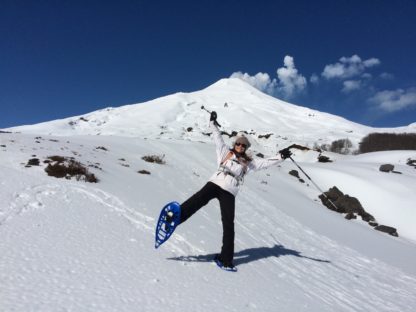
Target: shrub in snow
column 68, row 168
column 33, row 162
column 233, row 134
column 324, row 159
column 324, row 147
column 143, row 172
column 154, row 159
column 341, row 146
column 410, row 162
column 266, row 136
column 388, row 141
column 56, row 158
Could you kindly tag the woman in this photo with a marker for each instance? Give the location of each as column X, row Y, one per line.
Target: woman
column 233, row 165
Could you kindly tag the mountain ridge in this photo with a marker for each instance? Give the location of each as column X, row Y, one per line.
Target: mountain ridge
column 240, row 107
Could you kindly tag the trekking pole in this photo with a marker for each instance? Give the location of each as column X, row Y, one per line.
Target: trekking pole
column 202, row 107
column 319, row 189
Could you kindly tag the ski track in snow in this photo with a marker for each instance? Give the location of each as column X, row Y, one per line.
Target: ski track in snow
column 32, row 198
column 65, row 274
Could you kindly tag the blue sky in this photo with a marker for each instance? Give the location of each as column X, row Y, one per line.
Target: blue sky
column 352, row 58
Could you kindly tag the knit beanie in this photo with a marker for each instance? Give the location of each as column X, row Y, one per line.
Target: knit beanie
column 242, row 140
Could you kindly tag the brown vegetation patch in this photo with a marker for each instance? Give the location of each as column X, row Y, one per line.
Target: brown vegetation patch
column 143, row 172
column 62, row 167
column 387, row 142
column 154, row 159
column 33, row 162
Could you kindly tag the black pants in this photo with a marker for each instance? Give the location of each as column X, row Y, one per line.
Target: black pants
column 227, row 205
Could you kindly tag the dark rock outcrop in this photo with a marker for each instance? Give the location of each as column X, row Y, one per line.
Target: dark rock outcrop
column 337, row 201
column 386, row 168
column 324, row 159
column 387, row 229
column 294, row 173
column 411, row 162
column 344, row 204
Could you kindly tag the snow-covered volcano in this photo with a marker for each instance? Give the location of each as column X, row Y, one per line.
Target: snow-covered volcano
column 68, row 245
column 240, row 107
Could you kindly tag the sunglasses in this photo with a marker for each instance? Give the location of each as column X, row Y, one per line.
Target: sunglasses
column 241, row 144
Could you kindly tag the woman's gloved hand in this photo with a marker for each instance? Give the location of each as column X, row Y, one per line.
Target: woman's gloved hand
column 213, row 116
column 285, row 153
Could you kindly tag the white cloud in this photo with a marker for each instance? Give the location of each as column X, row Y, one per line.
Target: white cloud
column 351, row 85
column 260, row 81
column 290, row 81
column 366, row 76
column 348, row 67
column 387, row 76
column 371, row 62
column 314, row 79
column 394, row 100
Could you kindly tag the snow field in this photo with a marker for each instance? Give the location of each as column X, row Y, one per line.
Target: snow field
column 75, row 246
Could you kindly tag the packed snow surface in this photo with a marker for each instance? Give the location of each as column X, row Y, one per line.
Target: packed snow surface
column 69, row 245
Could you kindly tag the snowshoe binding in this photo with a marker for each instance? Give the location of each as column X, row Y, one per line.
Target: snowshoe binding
column 169, row 219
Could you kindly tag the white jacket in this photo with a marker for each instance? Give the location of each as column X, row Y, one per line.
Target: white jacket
column 229, row 182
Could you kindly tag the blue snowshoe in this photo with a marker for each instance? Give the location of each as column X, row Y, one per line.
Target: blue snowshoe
column 224, row 266
column 169, row 218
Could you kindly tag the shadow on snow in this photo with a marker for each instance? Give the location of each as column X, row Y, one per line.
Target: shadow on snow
column 250, row 255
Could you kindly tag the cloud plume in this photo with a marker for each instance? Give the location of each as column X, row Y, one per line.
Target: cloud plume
column 351, row 85
column 394, row 100
column 348, row 67
column 260, row 81
column 289, row 81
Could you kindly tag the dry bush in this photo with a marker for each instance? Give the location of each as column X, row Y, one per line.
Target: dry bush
column 154, row 159
column 68, row 168
column 143, row 172
column 341, row 146
column 57, row 158
column 33, row 162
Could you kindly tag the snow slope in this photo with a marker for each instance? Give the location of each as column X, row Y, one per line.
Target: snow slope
column 69, row 245
column 240, row 107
